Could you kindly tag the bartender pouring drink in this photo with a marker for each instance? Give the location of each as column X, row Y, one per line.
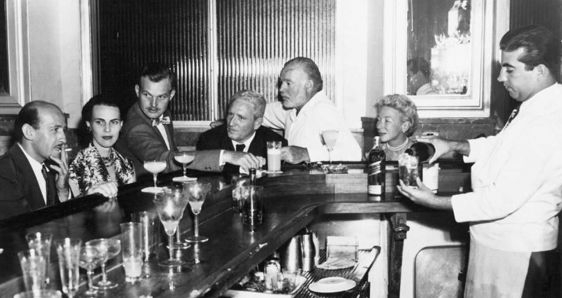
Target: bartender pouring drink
column 516, row 180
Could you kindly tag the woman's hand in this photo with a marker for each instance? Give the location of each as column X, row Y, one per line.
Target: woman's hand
column 107, row 189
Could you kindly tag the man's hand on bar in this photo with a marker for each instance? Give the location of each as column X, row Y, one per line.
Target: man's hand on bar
column 294, row 154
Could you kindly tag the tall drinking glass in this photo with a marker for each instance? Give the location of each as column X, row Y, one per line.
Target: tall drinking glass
column 41, row 242
column 68, row 251
column 109, row 249
column 90, row 258
column 170, row 205
column 33, row 266
column 330, row 138
column 154, row 167
column 197, row 193
column 184, row 158
column 131, row 241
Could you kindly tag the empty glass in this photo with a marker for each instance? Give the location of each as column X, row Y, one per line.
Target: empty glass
column 33, row 266
column 41, row 242
column 108, row 248
column 68, row 252
column 90, row 258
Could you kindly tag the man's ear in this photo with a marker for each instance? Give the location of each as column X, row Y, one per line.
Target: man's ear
column 309, row 85
column 172, row 94
column 542, row 70
column 28, row 131
column 258, row 122
column 137, row 90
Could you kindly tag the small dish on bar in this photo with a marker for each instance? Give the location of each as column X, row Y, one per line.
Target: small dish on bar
column 184, row 179
column 332, row 284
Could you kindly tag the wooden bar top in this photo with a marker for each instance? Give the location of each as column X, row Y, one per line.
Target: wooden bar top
column 292, row 200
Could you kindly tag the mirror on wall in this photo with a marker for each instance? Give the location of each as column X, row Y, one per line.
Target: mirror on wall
column 441, row 53
column 439, row 47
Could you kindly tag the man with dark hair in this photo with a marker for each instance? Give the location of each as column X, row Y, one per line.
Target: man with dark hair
column 516, row 178
column 34, row 171
column 243, row 131
column 148, row 132
column 304, row 112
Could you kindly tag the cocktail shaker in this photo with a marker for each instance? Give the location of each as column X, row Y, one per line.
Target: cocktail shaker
column 308, row 251
column 291, row 257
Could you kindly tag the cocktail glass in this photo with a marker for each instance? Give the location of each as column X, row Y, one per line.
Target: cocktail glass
column 90, row 258
column 155, row 167
column 330, row 138
column 109, row 249
column 197, row 193
column 184, row 157
column 170, row 205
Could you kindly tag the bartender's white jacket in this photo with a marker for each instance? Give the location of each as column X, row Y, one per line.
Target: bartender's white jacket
column 517, row 179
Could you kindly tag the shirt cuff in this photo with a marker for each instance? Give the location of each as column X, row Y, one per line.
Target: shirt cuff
column 461, row 207
column 221, row 160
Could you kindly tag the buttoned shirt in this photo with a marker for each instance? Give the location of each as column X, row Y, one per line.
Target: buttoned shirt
column 245, row 143
column 162, row 131
column 305, row 128
column 517, row 179
column 37, row 167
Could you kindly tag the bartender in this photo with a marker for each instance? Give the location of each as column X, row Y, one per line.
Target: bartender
column 516, row 179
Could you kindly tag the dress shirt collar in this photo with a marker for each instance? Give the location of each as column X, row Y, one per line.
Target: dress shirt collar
column 541, row 101
column 318, row 97
column 246, row 143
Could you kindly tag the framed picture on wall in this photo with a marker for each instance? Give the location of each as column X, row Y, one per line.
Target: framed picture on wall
column 441, row 53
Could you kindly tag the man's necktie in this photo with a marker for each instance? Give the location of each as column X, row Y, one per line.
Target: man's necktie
column 511, row 117
column 50, row 185
column 165, row 120
column 240, row 147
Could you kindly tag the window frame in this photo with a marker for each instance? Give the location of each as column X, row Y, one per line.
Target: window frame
column 18, row 63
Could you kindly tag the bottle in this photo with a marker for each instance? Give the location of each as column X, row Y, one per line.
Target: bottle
column 429, row 174
column 376, row 170
column 252, row 173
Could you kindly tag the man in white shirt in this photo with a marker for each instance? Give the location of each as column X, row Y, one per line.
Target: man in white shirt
column 304, row 112
column 34, row 171
column 516, row 178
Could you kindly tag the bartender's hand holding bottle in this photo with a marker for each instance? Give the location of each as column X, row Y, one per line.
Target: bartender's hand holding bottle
column 422, row 195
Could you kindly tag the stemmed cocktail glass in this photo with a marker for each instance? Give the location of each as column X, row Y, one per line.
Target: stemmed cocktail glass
column 184, row 157
column 90, row 258
column 108, row 249
column 197, row 193
column 155, row 167
column 330, row 137
column 170, row 205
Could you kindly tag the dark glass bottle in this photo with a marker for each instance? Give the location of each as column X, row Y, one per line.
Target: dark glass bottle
column 376, row 170
column 252, row 173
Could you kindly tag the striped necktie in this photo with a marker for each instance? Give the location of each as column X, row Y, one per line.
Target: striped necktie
column 511, row 117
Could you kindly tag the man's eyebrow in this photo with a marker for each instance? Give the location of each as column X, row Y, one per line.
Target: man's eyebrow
column 507, row 65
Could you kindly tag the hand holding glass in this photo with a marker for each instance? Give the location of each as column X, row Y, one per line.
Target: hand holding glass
column 170, row 206
column 197, row 193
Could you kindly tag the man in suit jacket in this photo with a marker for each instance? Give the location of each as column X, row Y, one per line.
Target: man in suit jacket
column 34, row 170
column 148, row 133
column 242, row 129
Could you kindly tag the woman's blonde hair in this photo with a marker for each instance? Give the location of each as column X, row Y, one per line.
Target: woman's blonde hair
column 405, row 106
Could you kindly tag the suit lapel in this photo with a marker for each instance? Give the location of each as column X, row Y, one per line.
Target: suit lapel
column 35, row 197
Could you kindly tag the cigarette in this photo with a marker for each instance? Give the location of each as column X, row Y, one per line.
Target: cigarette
column 67, row 149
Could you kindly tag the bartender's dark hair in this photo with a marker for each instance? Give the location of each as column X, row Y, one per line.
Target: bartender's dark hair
column 29, row 114
column 156, row 72
column 541, row 47
column 311, row 69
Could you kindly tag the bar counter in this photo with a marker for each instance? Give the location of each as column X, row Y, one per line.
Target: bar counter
column 293, row 200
